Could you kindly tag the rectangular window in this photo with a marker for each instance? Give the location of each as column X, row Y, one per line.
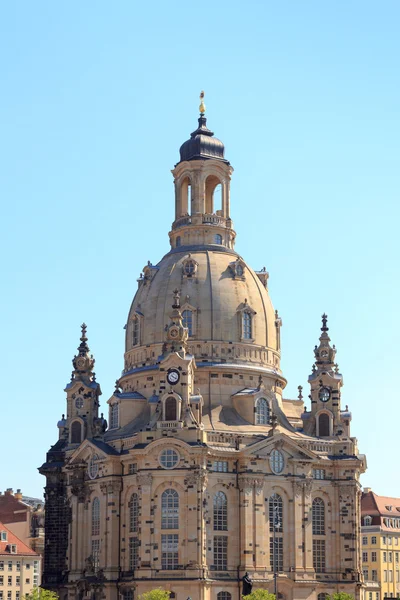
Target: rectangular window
column 390, row 573
column 389, row 540
column 9, row 580
column 373, row 556
column 385, row 576
column 319, row 555
column 1, row 594
column 132, row 469
column 221, row 466
column 18, row 580
column 1, row 565
column 169, row 551
column 96, row 554
column 396, row 556
column 28, row 566
column 397, row 576
column 133, row 553
column 373, row 540
column 27, row 580
column 278, row 554
column 384, row 539
column 385, row 557
column 376, row 595
column 365, row 556
column 17, row 595
column 36, row 566
column 369, row 595
column 220, row 552
column 18, row 565
column 13, row 548
column 9, row 595
column 390, row 557
column 3, row 536
column 319, row 473
column 396, row 541
column 365, row 541
column 1, row 580
column 374, row 575
column 10, row 564
column 365, row 574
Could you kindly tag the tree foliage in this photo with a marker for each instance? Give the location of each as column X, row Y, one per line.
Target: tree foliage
column 41, row 594
column 156, row 594
column 341, row 596
column 259, row 595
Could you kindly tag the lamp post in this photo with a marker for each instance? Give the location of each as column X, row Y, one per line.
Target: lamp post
column 275, row 525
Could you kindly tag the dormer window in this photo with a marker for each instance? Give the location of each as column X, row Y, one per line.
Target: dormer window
column 189, row 268
column 246, row 325
column 187, row 321
column 218, row 239
column 3, row 536
column 389, row 508
column 114, row 416
column 262, row 412
column 238, row 269
column 170, row 409
column 367, row 521
column 136, row 331
column 13, row 548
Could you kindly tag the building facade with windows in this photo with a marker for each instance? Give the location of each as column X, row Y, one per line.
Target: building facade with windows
column 380, row 542
column 24, row 517
column 205, row 470
column 20, row 566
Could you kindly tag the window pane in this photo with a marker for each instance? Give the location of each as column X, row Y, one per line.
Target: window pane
column 221, row 552
column 262, row 412
column 220, row 512
column 134, row 514
column 170, row 509
column 318, row 517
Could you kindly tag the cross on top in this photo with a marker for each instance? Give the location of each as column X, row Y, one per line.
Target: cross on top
column 324, row 322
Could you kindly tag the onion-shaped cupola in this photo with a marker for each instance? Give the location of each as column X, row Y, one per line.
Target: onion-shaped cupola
column 202, row 143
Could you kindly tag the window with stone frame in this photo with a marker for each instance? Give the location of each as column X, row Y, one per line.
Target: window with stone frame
column 224, row 596
column 322, row 596
column 319, row 559
column 324, row 425
column 135, row 331
column 76, row 432
column 171, row 409
column 169, row 551
column 133, row 553
column 170, row 509
column 134, row 513
column 365, row 574
column 221, row 466
column 247, row 325
column 319, row 473
column 96, row 554
column 220, row 553
column 263, row 413
column 114, row 415
column 187, row 321
column 96, row 516
column 220, row 505
column 276, row 554
column 373, row 556
column 318, row 516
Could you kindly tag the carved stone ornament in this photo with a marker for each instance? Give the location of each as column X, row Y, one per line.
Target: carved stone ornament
column 81, row 491
column 304, row 485
column 192, row 478
column 144, row 479
column 111, row 487
column 279, row 444
column 246, row 485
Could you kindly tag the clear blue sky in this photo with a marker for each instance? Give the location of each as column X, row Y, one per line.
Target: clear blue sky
column 96, row 98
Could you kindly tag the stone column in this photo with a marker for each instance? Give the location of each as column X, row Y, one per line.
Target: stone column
column 307, row 521
column 110, row 552
column 246, row 511
column 299, row 534
column 261, row 535
column 144, row 481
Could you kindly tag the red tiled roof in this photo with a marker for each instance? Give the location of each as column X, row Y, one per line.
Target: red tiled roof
column 12, row 539
column 377, row 507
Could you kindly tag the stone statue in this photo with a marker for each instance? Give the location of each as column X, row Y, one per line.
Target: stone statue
column 247, row 584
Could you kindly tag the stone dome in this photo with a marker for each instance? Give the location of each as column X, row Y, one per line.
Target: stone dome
column 216, row 285
column 202, row 144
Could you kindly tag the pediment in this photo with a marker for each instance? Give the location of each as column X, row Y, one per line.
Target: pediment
column 175, row 360
column 84, row 452
column 282, row 442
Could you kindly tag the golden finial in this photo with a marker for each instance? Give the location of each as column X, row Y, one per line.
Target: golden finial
column 202, row 107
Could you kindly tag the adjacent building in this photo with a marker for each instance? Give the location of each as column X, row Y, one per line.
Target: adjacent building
column 205, row 470
column 380, row 536
column 24, row 516
column 20, row 566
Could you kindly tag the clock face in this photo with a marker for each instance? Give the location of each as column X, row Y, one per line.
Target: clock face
column 173, row 332
column 80, row 363
column 79, row 402
column 324, row 353
column 324, row 394
column 173, row 376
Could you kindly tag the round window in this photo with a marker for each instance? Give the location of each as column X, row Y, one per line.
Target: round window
column 93, row 466
column 79, row 402
column 324, row 394
column 169, row 458
column 276, row 461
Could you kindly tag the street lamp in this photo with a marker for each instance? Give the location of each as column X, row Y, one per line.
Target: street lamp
column 275, row 526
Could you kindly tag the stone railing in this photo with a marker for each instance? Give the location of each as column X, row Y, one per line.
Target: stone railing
column 169, row 425
column 213, row 219
column 181, row 222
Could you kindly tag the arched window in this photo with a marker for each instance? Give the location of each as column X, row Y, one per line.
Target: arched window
column 246, row 326
column 220, row 512
column 178, row 241
column 276, row 538
column 187, row 320
column 96, row 516
column 218, row 239
column 322, row 596
column 136, row 331
column 76, row 432
column 114, row 416
column 134, row 514
column 170, row 409
column 262, row 412
column 324, row 423
column 318, row 516
column 224, row 596
column 367, row 520
column 170, row 509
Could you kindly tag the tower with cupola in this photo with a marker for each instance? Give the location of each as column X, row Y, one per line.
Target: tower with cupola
column 206, row 472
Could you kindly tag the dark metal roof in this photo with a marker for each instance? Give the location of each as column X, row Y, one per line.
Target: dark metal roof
column 202, row 144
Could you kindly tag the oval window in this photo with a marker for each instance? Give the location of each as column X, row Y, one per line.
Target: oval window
column 276, row 461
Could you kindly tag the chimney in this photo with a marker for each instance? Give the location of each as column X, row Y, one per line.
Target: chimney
column 9, row 492
column 367, row 490
column 18, row 495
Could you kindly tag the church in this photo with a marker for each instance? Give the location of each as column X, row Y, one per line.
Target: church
column 202, row 474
